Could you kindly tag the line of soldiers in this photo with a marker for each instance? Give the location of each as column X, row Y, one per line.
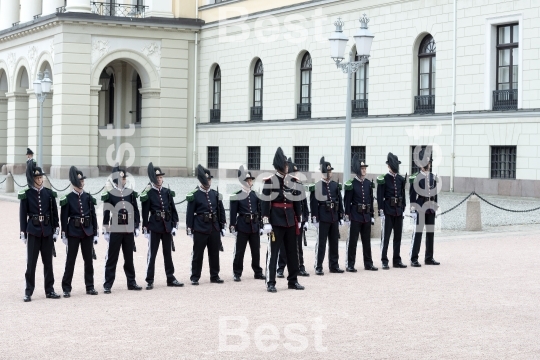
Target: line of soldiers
column 279, row 212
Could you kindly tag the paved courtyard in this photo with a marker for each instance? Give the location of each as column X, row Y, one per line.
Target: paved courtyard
column 482, row 302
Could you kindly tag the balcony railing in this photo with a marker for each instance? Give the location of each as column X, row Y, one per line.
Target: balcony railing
column 359, row 107
column 256, row 113
column 61, row 9
column 424, row 104
column 119, row 10
column 215, row 115
column 505, row 100
column 303, row 111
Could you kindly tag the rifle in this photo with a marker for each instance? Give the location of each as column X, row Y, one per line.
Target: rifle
column 94, row 256
column 52, row 221
column 133, row 205
column 403, row 192
column 304, row 234
column 219, row 221
column 170, row 212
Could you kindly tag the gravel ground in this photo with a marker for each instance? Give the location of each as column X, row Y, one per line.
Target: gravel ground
column 480, row 303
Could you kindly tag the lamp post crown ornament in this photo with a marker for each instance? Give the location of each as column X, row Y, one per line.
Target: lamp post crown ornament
column 339, row 25
column 364, row 21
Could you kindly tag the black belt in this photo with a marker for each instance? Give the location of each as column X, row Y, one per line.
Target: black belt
column 78, row 221
column 394, row 201
column 208, row 217
column 362, row 208
column 425, row 198
column 248, row 218
column 161, row 214
column 123, row 219
column 329, row 204
column 38, row 219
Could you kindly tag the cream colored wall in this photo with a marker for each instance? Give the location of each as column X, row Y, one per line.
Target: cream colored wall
column 226, row 10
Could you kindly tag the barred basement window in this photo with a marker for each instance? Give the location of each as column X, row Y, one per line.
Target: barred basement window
column 301, row 157
column 503, row 162
column 254, row 158
column 361, row 151
column 213, row 157
column 414, row 167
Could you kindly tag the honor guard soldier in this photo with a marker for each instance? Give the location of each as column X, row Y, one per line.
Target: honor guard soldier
column 29, row 155
column 205, row 224
column 423, row 197
column 160, row 223
column 79, row 227
column 39, row 229
column 326, row 206
column 245, row 208
column 121, row 220
column 282, row 219
column 360, row 215
column 391, row 201
column 282, row 259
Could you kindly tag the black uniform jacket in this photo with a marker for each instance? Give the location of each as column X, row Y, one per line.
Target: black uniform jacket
column 79, row 208
column 329, row 206
column 281, row 200
column 359, row 200
column 40, row 203
column 245, row 212
column 158, row 209
column 205, row 211
column 425, row 193
column 391, row 186
column 126, row 210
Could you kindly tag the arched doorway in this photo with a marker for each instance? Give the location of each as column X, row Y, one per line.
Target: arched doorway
column 17, row 121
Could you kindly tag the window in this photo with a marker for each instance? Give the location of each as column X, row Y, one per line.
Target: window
column 360, row 150
column 414, row 166
column 301, row 157
column 254, row 157
column 503, row 162
column 138, row 101
column 215, row 112
column 425, row 101
column 213, row 157
column 256, row 110
column 304, row 108
column 361, row 90
column 505, row 96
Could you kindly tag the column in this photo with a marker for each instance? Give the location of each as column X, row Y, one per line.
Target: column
column 82, row 6
column 95, row 94
column 150, row 129
column 17, row 131
column 3, row 129
column 47, row 132
column 9, row 13
column 29, row 9
column 33, row 123
column 50, row 6
column 159, row 8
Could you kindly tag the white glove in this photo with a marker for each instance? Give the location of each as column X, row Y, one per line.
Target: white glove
column 346, row 219
column 55, row 235
column 147, row 235
column 191, row 236
column 107, row 236
column 299, row 225
column 261, row 232
column 315, row 222
column 381, row 213
column 96, row 238
column 267, row 229
column 137, row 232
column 306, row 226
column 341, row 222
column 64, row 238
column 173, row 231
column 222, row 232
column 23, row 238
column 372, row 221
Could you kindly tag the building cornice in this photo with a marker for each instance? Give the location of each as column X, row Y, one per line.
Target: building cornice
column 49, row 21
column 479, row 115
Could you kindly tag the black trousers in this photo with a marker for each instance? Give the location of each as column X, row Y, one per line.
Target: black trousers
column 328, row 231
column 153, row 247
column 429, row 219
column 200, row 242
column 87, row 244
column 282, row 258
column 254, row 240
column 125, row 241
column 364, row 231
column 287, row 237
column 34, row 246
column 394, row 223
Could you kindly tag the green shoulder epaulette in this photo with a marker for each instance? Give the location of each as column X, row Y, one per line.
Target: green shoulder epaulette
column 63, row 200
column 105, row 196
column 173, row 194
column 412, row 178
column 233, row 197
column 22, row 194
column 94, row 201
column 380, row 179
column 340, row 186
column 191, row 195
column 310, row 187
column 144, row 194
column 135, row 194
column 372, row 184
column 348, row 185
column 54, row 194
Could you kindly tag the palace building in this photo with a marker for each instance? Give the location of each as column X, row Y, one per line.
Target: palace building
column 221, row 83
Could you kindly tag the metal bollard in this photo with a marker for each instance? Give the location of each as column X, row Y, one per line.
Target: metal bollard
column 10, row 184
column 474, row 214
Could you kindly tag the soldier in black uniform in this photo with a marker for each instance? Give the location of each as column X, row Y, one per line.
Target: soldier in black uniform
column 79, row 227
column 38, row 217
column 282, row 259
column 205, row 224
column 391, row 201
column 326, row 206
column 160, row 223
column 360, row 215
column 245, row 208
column 282, row 218
column 423, row 196
column 121, row 220
column 29, row 155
